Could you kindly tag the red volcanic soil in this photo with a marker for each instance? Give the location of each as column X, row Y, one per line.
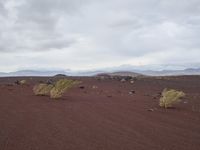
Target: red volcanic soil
column 102, row 116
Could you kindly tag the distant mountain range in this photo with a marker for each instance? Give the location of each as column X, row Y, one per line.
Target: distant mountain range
column 122, row 73
column 116, row 70
column 189, row 71
column 32, row 73
column 49, row 73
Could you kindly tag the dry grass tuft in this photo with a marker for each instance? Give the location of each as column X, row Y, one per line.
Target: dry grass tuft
column 54, row 91
column 22, row 82
column 170, row 97
column 42, row 89
column 60, row 87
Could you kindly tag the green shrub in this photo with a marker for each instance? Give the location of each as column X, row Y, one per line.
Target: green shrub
column 42, row 89
column 60, row 87
column 170, row 97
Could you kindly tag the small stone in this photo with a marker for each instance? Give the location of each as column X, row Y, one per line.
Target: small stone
column 154, row 97
column 94, row 87
column 123, row 80
column 150, row 109
column 81, row 87
column 132, row 92
column 17, row 82
column 49, row 81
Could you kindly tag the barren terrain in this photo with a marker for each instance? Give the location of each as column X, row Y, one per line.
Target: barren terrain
column 101, row 115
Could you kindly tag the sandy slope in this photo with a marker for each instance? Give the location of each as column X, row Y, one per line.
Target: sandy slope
column 104, row 118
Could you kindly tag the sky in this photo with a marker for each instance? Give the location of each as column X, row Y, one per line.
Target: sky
column 89, row 34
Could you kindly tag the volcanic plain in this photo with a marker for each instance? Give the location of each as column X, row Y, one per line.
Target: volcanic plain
column 100, row 113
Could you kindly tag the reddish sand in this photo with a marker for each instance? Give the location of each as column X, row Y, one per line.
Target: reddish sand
column 102, row 118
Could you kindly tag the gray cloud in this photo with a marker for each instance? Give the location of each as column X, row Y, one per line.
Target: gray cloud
column 89, row 31
column 2, row 8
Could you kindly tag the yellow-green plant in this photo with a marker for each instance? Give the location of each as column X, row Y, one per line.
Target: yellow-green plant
column 170, row 97
column 42, row 89
column 60, row 87
column 22, row 82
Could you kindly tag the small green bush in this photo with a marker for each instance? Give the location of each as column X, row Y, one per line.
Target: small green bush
column 170, row 97
column 60, row 87
column 42, row 89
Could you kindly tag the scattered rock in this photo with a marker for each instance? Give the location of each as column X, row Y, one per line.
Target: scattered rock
column 127, row 78
column 82, row 87
column 131, row 81
column 17, row 82
column 49, row 81
column 150, row 110
column 132, row 92
column 94, row 87
column 123, row 80
column 109, row 96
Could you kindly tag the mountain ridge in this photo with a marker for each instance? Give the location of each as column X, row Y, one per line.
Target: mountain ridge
column 187, row 71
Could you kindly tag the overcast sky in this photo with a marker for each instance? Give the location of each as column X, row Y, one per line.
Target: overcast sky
column 86, row 34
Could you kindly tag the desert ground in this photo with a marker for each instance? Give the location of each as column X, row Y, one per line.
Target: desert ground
column 100, row 114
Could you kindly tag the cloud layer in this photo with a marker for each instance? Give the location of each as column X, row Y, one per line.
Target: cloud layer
column 84, row 34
